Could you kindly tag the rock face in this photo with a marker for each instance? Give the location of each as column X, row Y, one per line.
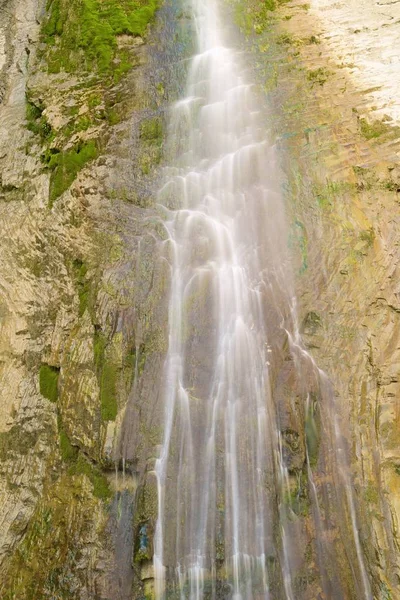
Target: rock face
column 82, row 290
column 341, row 170
column 81, row 308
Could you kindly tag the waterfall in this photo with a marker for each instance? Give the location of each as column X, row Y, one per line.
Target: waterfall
column 226, row 525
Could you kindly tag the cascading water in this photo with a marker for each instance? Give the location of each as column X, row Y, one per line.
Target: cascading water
column 224, row 522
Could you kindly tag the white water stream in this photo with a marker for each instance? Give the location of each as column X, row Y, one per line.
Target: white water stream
column 221, row 471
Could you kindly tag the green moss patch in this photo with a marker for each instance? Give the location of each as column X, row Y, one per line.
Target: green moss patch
column 16, row 441
column 67, row 450
column 66, row 165
column 82, row 466
column 83, row 34
column 48, row 382
column 152, row 131
column 37, row 122
column 373, row 130
column 80, row 275
column 108, row 374
column 108, row 392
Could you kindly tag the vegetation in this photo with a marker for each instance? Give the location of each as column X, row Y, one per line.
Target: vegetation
column 16, row 441
column 312, row 431
column 368, row 236
column 67, row 450
column 83, row 284
column 107, row 373
column 151, row 131
column 82, row 466
column 285, row 39
column 66, row 165
column 82, row 34
column 48, row 382
column 373, row 130
column 318, row 76
column 108, row 392
column 81, row 37
column 44, row 564
column 37, row 122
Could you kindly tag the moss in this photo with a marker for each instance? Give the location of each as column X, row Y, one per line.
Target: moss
column 113, row 116
column 152, row 131
column 68, row 451
column 371, row 493
column 94, row 100
column 108, row 374
column 385, row 593
column 82, row 466
column 16, row 441
column 368, row 236
column 48, row 382
column 99, row 346
column 373, row 130
column 326, row 193
column 285, row 39
column 80, row 275
column 312, row 433
column 108, row 392
column 66, row 165
column 45, row 564
column 81, row 35
column 37, row 122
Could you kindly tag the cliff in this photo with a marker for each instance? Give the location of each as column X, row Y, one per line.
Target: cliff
column 83, row 94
